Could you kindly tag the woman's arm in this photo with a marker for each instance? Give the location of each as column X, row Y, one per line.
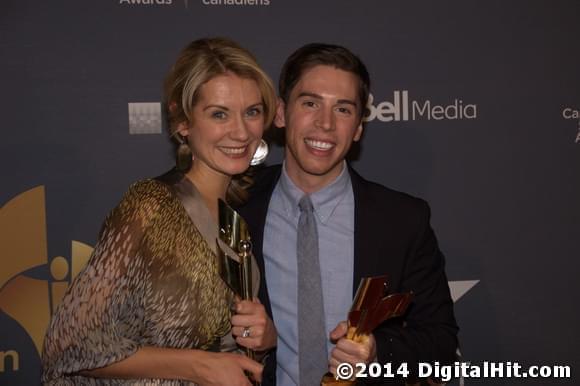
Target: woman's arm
column 202, row 367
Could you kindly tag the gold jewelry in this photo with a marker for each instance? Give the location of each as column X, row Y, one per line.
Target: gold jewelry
column 183, row 156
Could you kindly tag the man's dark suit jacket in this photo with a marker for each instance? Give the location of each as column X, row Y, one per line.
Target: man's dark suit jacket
column 392, row 236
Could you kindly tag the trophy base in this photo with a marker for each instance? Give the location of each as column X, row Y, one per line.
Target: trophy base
column 329, row 380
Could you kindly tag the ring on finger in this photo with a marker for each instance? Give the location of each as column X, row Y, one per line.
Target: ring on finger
column 246, row 332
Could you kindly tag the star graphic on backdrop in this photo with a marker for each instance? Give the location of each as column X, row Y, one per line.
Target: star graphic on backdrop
column 461, row 287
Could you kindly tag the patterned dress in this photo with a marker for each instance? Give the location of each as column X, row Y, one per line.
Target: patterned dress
column 152, row 281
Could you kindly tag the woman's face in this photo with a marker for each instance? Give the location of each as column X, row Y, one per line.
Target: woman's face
column 226, row 124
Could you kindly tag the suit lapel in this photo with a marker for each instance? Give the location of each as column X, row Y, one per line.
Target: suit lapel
column 255, row 212
column 363, row 230
column 380, row 234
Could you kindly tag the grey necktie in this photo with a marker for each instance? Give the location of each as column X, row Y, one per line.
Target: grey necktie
column 312, row 354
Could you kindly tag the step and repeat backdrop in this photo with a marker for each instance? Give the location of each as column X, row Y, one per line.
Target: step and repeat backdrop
column 475, row 107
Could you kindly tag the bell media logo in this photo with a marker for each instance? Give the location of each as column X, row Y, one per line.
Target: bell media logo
column 23, row 247
column 404, row 108
column 574, row 114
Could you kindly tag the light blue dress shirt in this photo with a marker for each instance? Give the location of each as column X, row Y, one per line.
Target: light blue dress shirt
column 334, row 212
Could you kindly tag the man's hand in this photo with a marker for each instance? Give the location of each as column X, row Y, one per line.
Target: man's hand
column 346, row 350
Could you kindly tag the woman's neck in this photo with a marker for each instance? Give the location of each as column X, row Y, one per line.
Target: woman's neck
column 211, row 185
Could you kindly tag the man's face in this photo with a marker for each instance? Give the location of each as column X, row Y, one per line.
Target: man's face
column 322, row 121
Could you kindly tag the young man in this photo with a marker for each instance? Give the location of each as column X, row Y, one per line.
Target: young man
column 359, row 228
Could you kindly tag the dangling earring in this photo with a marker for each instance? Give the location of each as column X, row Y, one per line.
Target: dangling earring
column 183, row 157
column 260, row 154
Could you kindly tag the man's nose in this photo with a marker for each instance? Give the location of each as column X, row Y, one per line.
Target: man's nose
column 325, row 118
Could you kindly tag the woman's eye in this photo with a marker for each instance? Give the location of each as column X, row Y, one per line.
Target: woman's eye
column 218, row 115
column 254, row 112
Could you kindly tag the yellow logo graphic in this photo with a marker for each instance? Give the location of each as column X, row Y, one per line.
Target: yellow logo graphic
column 23, row 246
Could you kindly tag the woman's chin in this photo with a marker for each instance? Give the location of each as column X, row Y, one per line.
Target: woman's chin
column 237, row 167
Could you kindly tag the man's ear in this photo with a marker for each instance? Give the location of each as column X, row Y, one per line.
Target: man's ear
column 358, row 132
column 279, row 119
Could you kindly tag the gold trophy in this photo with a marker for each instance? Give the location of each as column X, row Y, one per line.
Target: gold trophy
column 371, row 306
column 237, row 274
column 233, row 231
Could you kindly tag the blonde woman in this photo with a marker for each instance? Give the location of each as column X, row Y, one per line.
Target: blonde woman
column 150, row 307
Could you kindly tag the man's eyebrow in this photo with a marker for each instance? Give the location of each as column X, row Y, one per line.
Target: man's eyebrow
column 316, row 96
column 309, row 94
column 346, row 101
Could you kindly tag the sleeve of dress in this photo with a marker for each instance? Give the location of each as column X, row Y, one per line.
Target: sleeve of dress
column 99, row 319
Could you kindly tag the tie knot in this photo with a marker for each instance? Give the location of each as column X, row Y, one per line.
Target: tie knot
column 305, row 204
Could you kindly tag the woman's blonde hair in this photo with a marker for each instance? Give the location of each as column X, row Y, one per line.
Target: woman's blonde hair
column 203, row 60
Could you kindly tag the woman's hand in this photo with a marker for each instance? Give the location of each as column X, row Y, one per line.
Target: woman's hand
column 204, row 368
column 252, row 327
column 224, row 369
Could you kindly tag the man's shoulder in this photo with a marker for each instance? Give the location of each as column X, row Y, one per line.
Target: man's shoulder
column 375, row 193
column 265, row 178
column 381, row 207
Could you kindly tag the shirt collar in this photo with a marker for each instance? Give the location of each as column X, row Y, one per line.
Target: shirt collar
column 324, row 201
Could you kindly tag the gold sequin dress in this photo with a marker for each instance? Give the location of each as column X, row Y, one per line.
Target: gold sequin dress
column 152, row 281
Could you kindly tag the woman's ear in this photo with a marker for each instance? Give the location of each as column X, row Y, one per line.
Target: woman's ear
column 182, row 129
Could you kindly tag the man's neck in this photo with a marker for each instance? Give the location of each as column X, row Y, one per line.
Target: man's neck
column 311, row 183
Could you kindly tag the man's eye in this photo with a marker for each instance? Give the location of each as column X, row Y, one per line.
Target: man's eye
column 309, row 104
column 344, row 110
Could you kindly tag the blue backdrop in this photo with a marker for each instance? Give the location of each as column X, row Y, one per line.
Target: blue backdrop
column 475, row 107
